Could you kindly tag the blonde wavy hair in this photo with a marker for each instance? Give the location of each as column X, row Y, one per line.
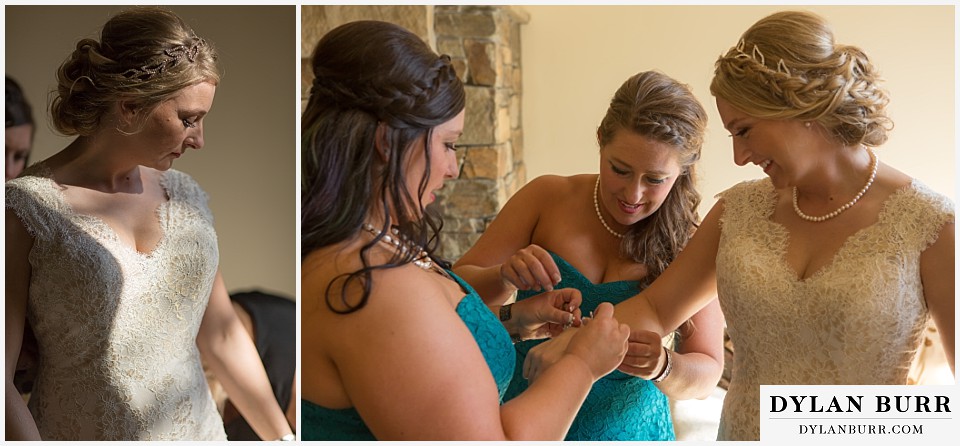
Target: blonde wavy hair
column 788, row 66
column 145, row 55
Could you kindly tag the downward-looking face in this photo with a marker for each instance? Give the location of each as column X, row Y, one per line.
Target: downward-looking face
column 636, row 174
column 174, row 126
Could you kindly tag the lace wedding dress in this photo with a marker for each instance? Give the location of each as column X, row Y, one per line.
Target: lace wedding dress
column 858, row 320
column 117, row 328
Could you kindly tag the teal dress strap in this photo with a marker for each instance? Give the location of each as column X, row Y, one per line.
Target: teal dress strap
column 321, row 423
column 619, row 407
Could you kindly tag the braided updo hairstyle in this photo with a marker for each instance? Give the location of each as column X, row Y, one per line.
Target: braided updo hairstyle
column 145, row 56
column 656, row 106
column 787, row 66
column 370, row 74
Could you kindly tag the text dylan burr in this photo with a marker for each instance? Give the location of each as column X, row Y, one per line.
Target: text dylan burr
column 855, row 403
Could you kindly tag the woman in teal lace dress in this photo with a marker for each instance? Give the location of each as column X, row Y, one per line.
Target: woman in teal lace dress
column 609, row 236
column 395, row 347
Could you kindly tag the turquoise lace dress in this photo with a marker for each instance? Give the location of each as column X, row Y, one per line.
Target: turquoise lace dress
column 321, row 423
column 619, row 406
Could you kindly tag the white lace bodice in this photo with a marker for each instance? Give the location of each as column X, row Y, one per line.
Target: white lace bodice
column 858, row 320
column 117, row 328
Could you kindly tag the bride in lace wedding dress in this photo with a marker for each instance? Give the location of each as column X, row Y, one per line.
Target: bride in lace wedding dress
column 112, row 257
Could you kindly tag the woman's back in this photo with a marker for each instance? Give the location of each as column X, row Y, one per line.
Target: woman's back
column 424, row 326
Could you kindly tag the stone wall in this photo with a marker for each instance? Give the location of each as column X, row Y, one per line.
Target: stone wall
column 484, row 43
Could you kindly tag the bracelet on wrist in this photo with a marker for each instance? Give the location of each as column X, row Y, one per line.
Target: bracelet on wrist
column 667, row 367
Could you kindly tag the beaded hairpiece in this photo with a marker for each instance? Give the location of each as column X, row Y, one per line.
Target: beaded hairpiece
column 170, row 58
column 757, row 55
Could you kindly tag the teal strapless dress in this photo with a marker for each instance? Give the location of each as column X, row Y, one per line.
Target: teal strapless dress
column 321, row 423
column 619, row 406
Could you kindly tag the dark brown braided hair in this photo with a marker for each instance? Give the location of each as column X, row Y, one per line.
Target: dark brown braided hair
column 369, row 73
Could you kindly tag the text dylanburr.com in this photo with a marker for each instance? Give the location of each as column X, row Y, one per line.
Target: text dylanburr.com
column 859, row 414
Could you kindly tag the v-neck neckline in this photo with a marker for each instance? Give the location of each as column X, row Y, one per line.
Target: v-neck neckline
column 47, row 174
column 838, row 255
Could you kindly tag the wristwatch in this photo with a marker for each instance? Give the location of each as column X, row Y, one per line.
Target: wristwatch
column 505, row 313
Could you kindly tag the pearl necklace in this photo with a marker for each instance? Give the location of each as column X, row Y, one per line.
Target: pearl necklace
column 400, row 243
column 596, row 207
column 873, row 175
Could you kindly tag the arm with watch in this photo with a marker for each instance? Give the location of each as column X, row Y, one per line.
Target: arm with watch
column 542, row 316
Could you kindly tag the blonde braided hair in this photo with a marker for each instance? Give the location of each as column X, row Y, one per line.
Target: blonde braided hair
column 787, row 66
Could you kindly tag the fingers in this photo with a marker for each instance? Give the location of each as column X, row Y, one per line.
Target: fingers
column 604, row 311
column 531, row 268
column 645, row 337
column 532, row 365
column 557, row 316
column 631, row 370
column 510, row 275
column 569, row 299
column 625, row 334
column 643, row 354
column 550, row 270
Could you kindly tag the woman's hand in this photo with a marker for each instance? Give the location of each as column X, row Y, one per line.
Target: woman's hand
column 530, row 268
column 547, row 314
column 645, row 356
column 601, row 344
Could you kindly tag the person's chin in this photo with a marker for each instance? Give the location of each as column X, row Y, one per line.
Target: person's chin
column 778, row 182
column 164, row 165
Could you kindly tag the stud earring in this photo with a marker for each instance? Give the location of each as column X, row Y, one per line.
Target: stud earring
column 806, row 124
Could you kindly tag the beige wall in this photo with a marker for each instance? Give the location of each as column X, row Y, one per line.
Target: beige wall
column 575, row 57
column 248, row 165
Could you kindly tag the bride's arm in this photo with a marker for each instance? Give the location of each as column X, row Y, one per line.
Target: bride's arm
column 686, row 286
column 20, row 425
column 233, row 358
column 937, row 276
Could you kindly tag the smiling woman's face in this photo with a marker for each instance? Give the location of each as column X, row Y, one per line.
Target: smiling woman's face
column 636, row 174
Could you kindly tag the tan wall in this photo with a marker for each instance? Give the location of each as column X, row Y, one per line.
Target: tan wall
column 575, row 57
column 248, row 165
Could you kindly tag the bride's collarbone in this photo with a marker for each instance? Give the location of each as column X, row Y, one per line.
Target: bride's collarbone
column 133, row 218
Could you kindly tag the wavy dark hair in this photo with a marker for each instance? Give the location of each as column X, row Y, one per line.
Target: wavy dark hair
column 369, row 74
column 656, row 106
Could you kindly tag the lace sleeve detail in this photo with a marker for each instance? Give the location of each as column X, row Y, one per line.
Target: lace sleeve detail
column 183, row 187
column 26, row 198
column 919, row 214
column 746, row 201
